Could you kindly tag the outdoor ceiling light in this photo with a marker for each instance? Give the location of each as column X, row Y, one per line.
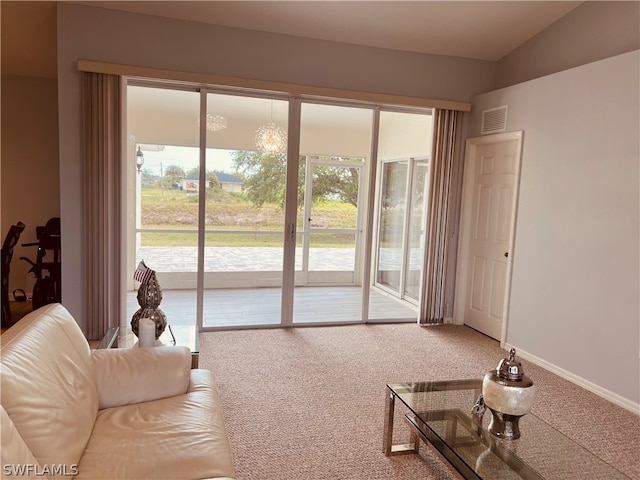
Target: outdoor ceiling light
column 270, row 138
column 215, row 123
column 139, row 159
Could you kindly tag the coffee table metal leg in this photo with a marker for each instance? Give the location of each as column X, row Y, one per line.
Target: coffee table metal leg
column 388, row 447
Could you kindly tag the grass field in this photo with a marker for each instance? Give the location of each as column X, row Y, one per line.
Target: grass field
column 231, row 212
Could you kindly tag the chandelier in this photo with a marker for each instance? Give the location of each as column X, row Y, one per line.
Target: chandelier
column 271, row 138
column 215, row 123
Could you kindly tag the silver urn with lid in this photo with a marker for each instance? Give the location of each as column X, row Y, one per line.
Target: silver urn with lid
column 509, row 394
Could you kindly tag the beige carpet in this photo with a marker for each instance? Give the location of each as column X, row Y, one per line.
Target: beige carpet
column 308, row 403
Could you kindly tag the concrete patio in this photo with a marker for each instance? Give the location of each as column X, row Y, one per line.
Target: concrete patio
column 261, row 306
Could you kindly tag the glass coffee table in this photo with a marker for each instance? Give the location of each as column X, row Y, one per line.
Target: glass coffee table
column 184, row 335
column 440, row 413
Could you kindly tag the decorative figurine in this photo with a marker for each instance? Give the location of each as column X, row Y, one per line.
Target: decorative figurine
column 508, row 393
column 149, row 298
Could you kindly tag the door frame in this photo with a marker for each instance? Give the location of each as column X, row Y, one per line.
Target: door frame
column 311, row 279
column 462, row 270
column 288, row 283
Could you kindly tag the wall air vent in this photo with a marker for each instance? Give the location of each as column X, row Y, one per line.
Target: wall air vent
column 494, row 120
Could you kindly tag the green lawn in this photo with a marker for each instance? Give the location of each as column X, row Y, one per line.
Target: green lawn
column 175, row 209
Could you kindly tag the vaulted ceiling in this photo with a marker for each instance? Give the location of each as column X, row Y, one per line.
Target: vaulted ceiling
column 471, row 29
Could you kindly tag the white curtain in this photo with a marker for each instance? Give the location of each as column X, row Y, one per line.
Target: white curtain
column 102, row 125
column 446, row 126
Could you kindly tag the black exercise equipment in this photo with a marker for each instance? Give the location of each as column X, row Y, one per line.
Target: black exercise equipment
column 10, row 241
column 47, row 266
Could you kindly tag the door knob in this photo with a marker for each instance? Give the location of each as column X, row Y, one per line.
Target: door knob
column 506, row 254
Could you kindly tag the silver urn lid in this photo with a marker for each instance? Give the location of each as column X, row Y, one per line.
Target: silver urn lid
column 509, row 372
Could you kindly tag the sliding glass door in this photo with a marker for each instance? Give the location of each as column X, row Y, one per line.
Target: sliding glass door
column 248, row 227
column 401, row 226
column 416, row 222
column 335, row 144
column 162, row 127
column 391, row 226
column 244, row 216
column 404, row 149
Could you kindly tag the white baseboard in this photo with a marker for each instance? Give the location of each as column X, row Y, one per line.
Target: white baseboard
column 573, row 378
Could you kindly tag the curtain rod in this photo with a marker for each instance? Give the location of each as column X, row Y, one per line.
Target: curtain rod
column 266, row 85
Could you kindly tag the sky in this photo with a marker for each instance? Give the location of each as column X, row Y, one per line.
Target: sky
column 187, row 158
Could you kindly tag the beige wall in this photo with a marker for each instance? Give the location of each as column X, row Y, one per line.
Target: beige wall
column 29, row 169
column 591, row 32
column 231, row 187
column 576, row 261
column 109, row 36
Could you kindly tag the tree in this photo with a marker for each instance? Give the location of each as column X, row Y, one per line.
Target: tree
column 213, row 180
column 174, row 174
column 148, row 177
column 340, row 183
column 266, row 176
column 193, row 173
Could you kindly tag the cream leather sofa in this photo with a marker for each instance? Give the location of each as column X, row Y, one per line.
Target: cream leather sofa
column 105, row 414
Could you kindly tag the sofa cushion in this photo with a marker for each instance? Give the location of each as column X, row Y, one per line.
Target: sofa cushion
column 181, row 437
column 132, row 375
column 47, row 386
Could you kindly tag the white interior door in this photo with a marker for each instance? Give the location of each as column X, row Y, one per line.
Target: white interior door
column 488, row 217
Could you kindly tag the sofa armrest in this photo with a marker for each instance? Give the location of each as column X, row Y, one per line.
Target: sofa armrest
column 126, row 376
column 14, row 453
column 202, row 379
